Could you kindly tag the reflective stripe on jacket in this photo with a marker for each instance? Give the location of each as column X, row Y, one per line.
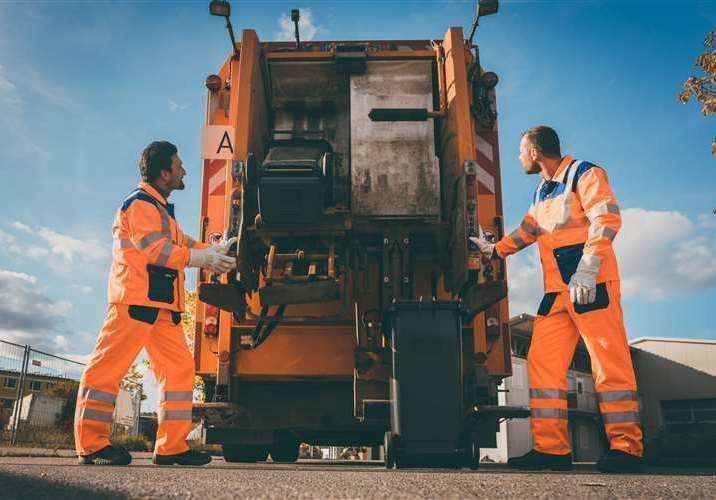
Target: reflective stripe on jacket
column 572, row 215
column 149, row 252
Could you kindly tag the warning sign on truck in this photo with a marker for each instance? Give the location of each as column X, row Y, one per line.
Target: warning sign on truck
column 218, row 142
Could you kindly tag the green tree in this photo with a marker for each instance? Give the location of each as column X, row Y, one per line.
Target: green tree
column 703, row 88
column 188, row 323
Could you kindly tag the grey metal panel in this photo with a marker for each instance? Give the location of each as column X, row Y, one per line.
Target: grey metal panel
column 394, row 171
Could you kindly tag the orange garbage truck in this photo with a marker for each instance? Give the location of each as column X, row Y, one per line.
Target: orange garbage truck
column 352, row 174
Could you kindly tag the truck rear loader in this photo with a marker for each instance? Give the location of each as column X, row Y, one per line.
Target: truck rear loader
column 360, row 314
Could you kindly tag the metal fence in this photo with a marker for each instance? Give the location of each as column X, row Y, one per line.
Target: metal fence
column 38, row 392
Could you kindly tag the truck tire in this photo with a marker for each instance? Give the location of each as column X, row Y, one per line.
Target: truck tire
column 284, row 451
column 244, row 453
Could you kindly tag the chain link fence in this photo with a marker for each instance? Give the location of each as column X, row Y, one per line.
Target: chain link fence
column 38, row 392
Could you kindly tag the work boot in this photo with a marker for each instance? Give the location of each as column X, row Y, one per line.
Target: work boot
column 617, row 461
column 189, row 457
column 109, row 455
column 536, row 460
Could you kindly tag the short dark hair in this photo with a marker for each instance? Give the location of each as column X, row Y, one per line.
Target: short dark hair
column 545, row 139
column 155, row 158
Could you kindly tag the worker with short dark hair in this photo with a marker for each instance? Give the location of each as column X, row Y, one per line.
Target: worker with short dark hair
column 574, row 218
column 146, row 299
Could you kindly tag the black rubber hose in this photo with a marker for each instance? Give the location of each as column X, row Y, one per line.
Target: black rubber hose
column 398, row 114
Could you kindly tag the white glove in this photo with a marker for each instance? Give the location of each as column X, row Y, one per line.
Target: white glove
column 583, row 284
column 212, row 258
column 485, row 242
column 223, row 246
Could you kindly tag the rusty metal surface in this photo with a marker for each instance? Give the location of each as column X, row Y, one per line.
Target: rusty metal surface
column 394, row 170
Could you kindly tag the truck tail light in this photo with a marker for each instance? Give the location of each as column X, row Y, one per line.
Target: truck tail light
column 211, row 321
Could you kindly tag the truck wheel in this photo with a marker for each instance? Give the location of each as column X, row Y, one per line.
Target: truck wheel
column 284, row 451
column 244, row 453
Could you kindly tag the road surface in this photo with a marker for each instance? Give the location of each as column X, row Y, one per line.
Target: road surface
column 61, row 478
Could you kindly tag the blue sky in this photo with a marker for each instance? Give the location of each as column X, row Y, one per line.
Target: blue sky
column 84, row 86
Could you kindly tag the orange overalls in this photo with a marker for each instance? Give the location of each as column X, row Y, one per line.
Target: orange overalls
column 146, row 298
column 575, row 216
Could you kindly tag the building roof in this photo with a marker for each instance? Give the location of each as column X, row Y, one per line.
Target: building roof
column 672, row 339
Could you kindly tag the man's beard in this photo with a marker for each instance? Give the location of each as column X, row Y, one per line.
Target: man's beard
column 533, row 169
column 181, row 185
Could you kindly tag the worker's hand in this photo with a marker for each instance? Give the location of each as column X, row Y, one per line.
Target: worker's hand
column 223, row 246
column 213, row 259
column 485, row 241
column 583, row 284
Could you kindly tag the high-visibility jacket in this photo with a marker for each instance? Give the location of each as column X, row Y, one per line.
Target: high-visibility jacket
column 149, row 253
column 574, row 215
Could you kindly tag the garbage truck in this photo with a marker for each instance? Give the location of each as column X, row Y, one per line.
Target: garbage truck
column 360, row 314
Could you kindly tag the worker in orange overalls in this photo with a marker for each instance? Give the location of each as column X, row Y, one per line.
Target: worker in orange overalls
column 574, row 218
column 146, row 299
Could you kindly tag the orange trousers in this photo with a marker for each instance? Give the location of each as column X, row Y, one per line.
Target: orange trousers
column 126, row 330
column 557, row 329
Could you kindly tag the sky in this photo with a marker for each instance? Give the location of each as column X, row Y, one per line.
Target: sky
column 84, row 86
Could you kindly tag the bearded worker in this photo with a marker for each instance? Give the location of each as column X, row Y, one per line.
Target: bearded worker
column 146, row 299
column 574, row 218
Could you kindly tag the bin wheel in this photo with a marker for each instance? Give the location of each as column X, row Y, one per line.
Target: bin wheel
column 285, row 450
column 244, row 453
column 472, row 451
column 389, row 450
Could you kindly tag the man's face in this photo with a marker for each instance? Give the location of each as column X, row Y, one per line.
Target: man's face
column 176, row 181
column 528, row 157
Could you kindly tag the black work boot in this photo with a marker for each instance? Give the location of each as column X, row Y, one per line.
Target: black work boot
column 617, row 461
column 536, row 460
column 189, row 457
column 109, row 455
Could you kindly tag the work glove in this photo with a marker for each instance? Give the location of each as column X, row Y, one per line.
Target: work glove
column 223, row 246
column 485, row 241
column 583, row 284
column 214, row 258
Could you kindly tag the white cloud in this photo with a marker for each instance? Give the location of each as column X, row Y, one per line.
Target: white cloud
column 173, row 106
column 37, row 252
column 663, row 254
column 28, row 316
column 524, row 279
column 306, row 27
column 70, row 247
column 82, row 288
column 22, row 227
column 9, row 242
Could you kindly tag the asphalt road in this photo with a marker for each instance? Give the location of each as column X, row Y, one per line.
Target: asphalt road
column 61, row 478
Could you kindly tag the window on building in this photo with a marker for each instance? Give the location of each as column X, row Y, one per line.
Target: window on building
column 35, row 385
column 520, row 346
column 689, row 411
column 6, row 403
column 581, row 362
column 10, row 383
column 579, row 387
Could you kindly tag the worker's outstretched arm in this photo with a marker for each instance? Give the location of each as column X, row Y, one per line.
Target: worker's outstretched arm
column 189, row 242
column 150, row 233
column 601, row 208
column 520, row 238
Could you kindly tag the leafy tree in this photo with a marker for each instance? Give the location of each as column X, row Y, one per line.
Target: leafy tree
column 133, row 380
column 188, row 323
column 703, row 88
